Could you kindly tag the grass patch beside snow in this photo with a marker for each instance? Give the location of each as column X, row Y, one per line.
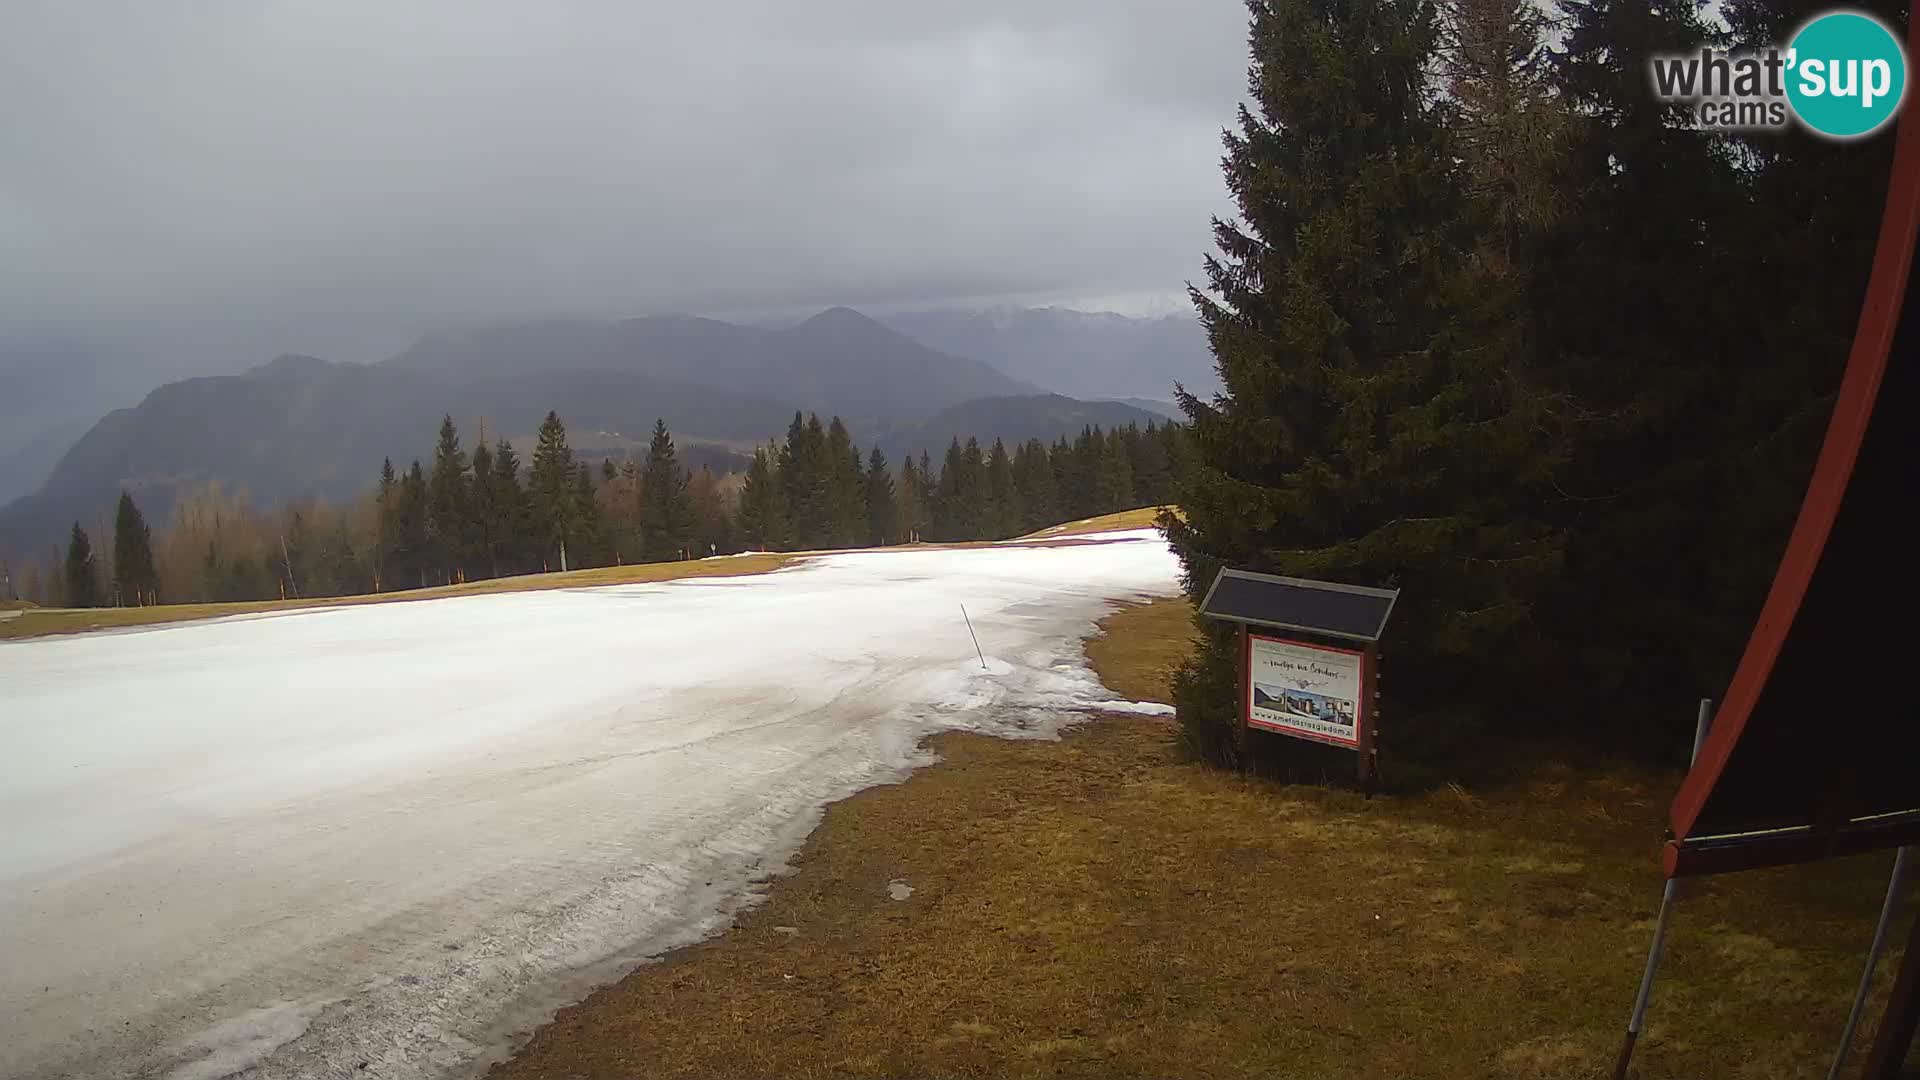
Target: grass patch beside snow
column 36, row 622
column 1096, row 907
column 1143, row 518
column 1140, row 646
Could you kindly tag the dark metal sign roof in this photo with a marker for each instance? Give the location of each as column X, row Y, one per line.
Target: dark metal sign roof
column 1355, row 612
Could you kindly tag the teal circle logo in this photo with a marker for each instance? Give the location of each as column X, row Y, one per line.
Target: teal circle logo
column 1846, row 74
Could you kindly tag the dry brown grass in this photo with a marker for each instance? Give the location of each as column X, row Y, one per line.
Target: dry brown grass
column 39, row 622
column 1094, row 907
column 1139, row 647
column 42, row 621
column 1142, row 518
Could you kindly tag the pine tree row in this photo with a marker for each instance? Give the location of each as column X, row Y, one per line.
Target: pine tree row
column 811, row 491
column 466, row 515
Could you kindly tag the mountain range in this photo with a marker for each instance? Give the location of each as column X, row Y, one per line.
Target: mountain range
column 1086, row 354
column 300, row 426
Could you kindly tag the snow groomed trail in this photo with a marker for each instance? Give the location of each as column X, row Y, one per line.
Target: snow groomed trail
column 384, row 839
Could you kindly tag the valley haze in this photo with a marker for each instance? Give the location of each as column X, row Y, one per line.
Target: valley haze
column 300, row 426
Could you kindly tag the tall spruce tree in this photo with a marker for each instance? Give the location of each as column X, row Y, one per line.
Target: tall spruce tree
column 588, row 539
column 386, row 495
column 666, row 513
column 846, row 488
column 763, row 513
column 949, row 508
column 552, row 493
column 811, row 498
column 482, row 514
column 413, row 549
column 1033, row 478
column 1113, row 473
column 1359, row 438
column 713, row 526
column 883, row 511
column 448, row 497
column 1678, row 492
column 1003, row 498
column 911, row 500
column 509, row 519
column 83, row 578
column 135, row 582
column 1147, row 459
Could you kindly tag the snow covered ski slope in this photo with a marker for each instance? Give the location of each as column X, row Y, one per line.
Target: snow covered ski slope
column 395, row 834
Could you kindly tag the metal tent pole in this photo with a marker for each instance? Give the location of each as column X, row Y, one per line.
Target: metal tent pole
column 1901, row 1019
column 1873, row 959
column 1638, row 1019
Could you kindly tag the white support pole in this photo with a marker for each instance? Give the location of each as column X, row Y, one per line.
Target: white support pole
column 974, row 636
column 1638, row 1020
column 1873, row 959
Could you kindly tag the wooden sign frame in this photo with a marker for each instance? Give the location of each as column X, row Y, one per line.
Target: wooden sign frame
column 1313, row 615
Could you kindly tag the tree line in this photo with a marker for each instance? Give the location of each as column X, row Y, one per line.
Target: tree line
column 1500, row 328
column 811, row 490
column 469, row 515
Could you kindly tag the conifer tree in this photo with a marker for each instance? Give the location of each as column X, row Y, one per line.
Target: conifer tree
column 666, row 516
column 413, row 548
column 713, row 526
column 552, row 494
column 447, row 501
column 1033, row 479
column 385, row 531
column 1002, row 518
column 588, row 531
column 1113, row 474
column 912, row 506
column 135, row 581
column 976, row 511
column 809, row 486
column 510, row 520
column 1696, row 421
column 846, row 488
column 882, row 510
column 482, row 514
column 83, row 590
column 763, row 518
column 949, row 508
column 1361, row 437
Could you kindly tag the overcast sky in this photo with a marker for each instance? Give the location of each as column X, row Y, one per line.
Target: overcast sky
column 347, row 173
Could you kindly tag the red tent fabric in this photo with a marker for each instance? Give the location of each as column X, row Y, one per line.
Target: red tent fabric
column 1815, row 750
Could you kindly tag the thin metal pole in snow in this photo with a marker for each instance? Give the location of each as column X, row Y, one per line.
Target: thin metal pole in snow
column 974, row 636
column 1873, row 958
column 1639, row 1016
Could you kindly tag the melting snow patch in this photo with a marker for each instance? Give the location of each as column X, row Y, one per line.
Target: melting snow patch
column 465, row 812
column 1112, row 535
column 241, row 1041
column 1142, row 708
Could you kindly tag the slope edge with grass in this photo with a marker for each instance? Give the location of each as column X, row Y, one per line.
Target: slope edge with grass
column 1097, row 907
column 38, row 622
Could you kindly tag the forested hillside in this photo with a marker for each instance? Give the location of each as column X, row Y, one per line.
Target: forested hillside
column 465, row 515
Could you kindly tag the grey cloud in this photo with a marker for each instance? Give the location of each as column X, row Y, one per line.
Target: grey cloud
column 396, row 165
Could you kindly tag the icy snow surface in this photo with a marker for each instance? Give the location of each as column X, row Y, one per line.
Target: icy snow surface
column 400, row 834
